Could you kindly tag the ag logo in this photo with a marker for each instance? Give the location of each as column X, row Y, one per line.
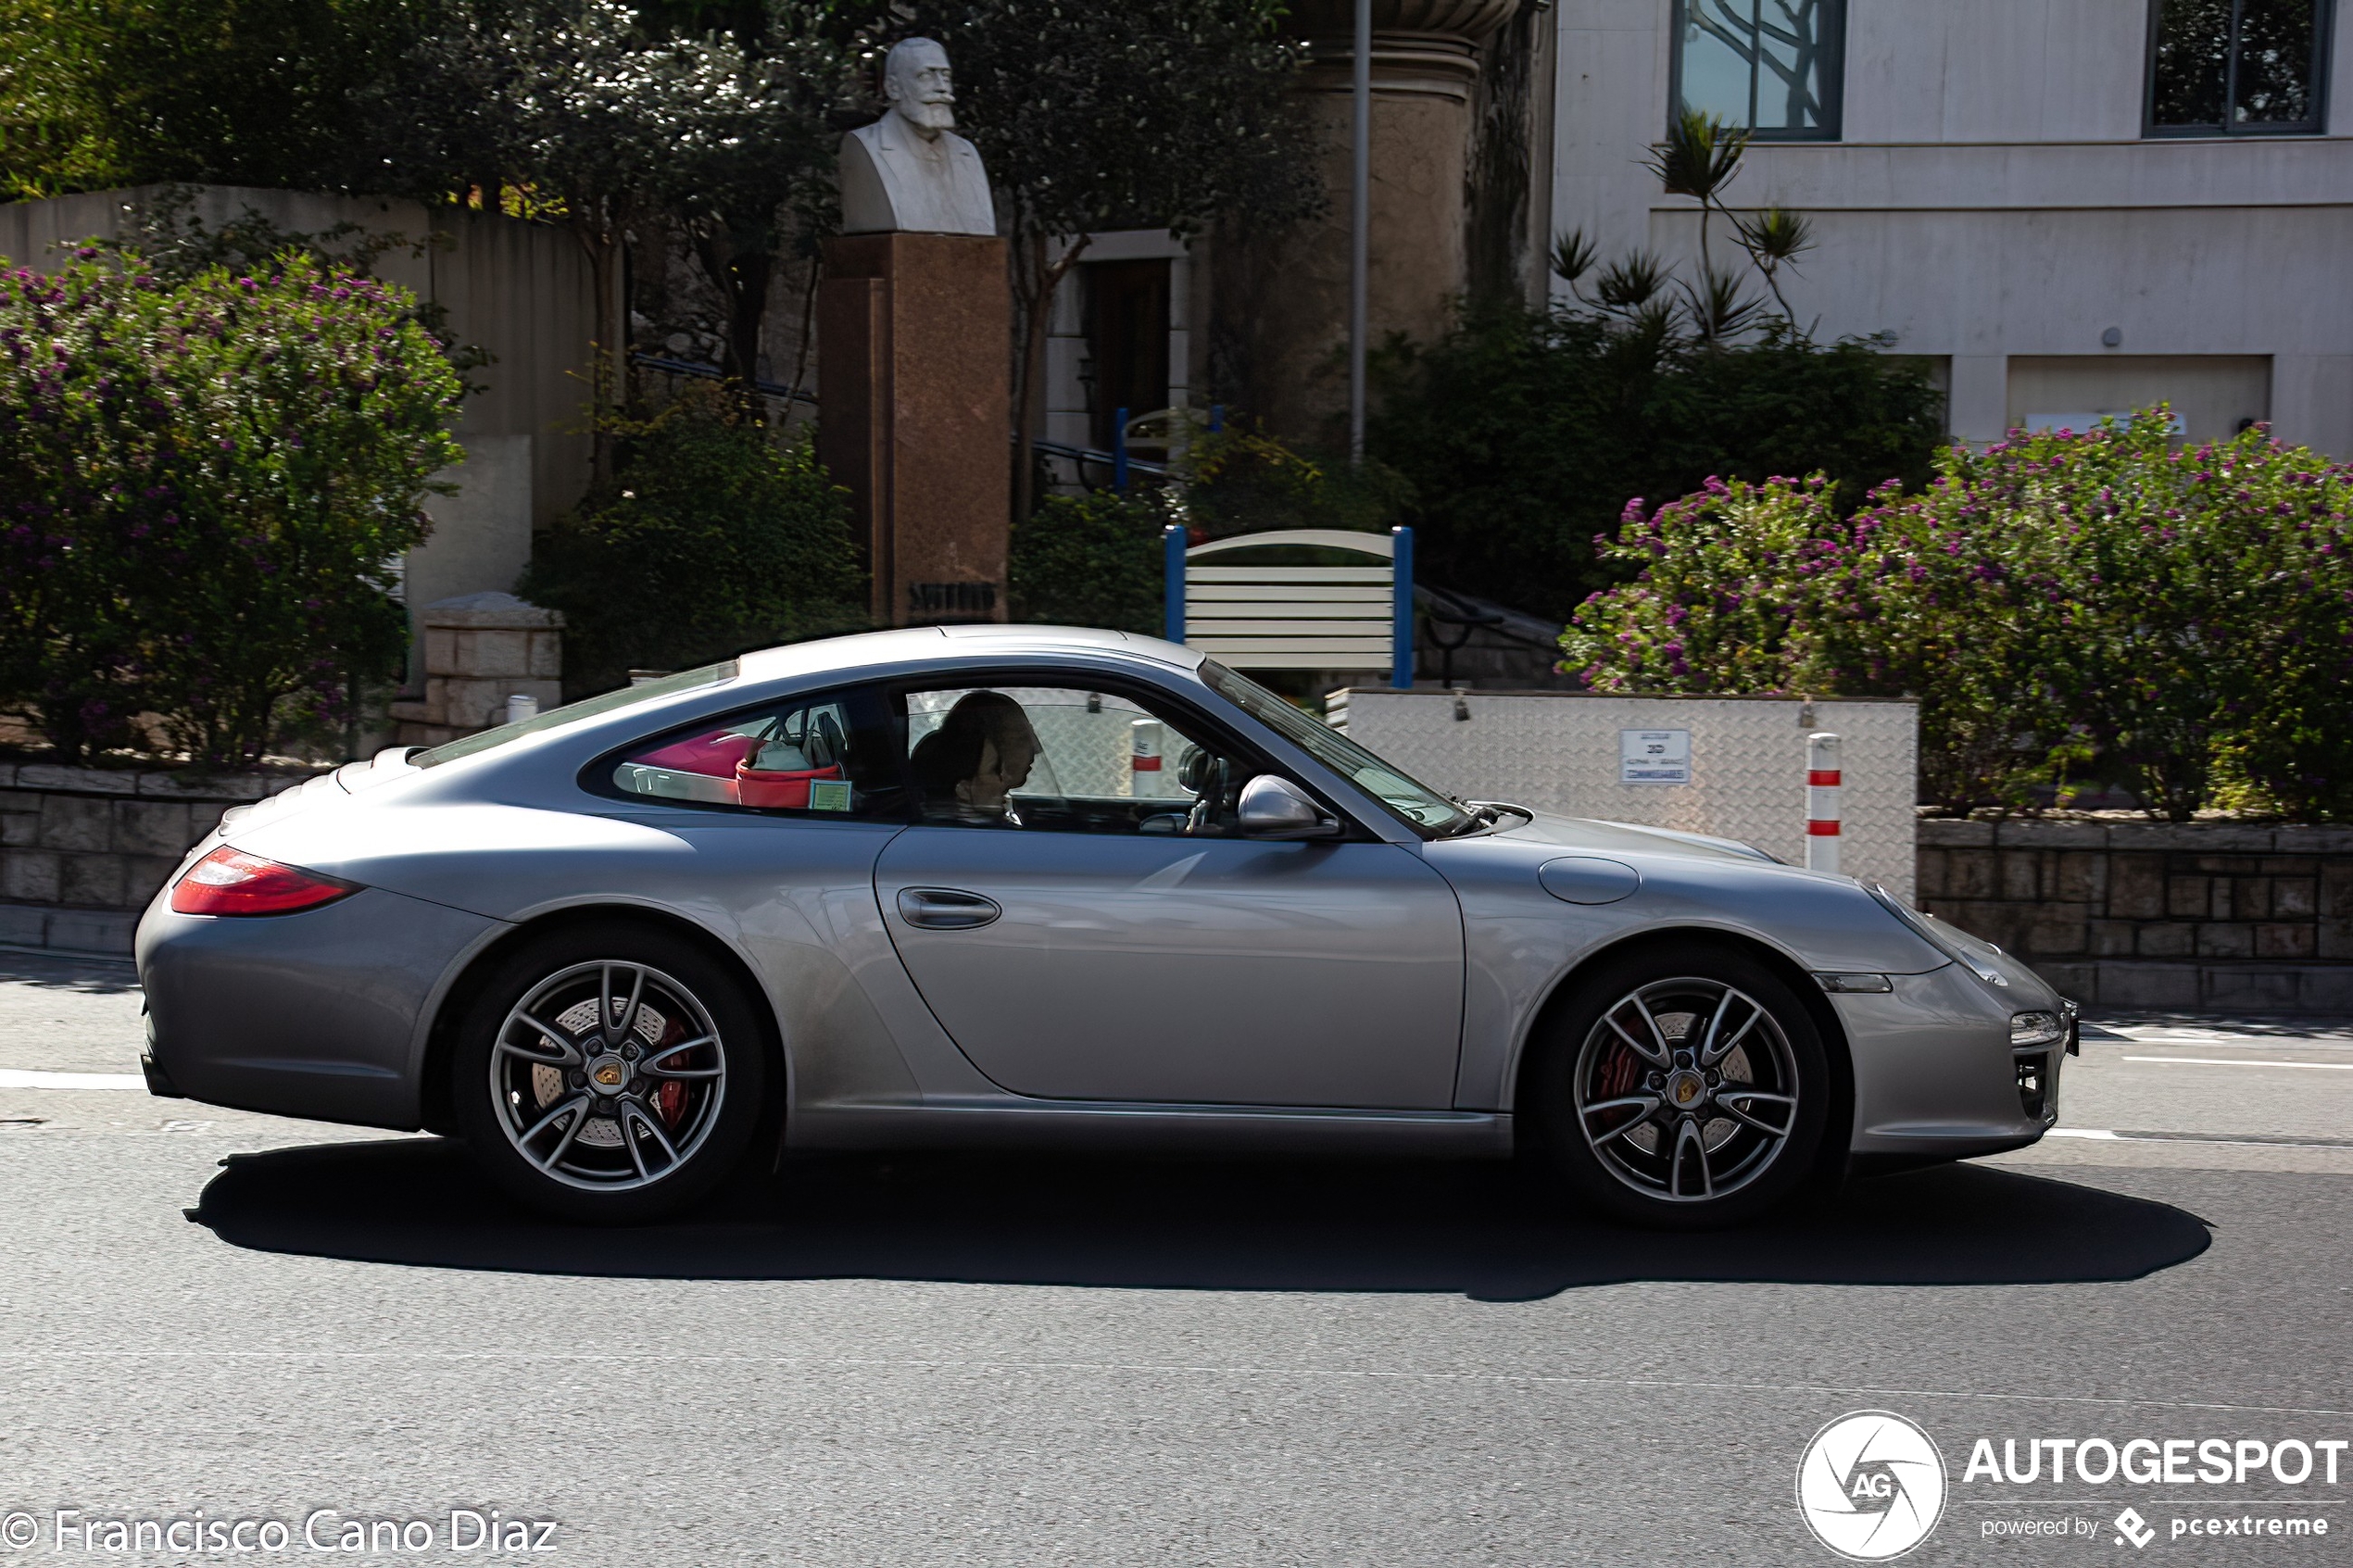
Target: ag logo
column 1871, row 1485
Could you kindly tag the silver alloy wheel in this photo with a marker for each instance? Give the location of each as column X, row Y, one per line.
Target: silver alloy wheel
column 608, row 1075
column 1686, row 1089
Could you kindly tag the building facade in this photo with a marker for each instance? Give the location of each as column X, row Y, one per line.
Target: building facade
column 2068, row 207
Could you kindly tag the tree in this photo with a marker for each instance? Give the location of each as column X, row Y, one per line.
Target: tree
column 98, row 93
column 1175, row 114
column 572, row 111
column 756, row 154
column 582, row 113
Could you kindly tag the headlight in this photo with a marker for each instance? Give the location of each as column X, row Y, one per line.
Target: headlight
column 2036, row 1028
column 1957, row 945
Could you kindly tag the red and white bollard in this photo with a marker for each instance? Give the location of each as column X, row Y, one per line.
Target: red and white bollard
column 1143, row 758
column 1822, row 802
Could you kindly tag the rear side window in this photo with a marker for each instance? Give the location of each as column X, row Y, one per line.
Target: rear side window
column 831, row 755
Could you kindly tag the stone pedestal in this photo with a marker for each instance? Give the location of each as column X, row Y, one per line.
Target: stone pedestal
column 913, row 367
column 480, row 650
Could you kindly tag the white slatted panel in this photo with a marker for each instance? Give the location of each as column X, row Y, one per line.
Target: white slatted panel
column 1291, row 617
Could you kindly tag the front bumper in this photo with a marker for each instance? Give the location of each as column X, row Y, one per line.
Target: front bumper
column 318, row 1014
column 1935, row 1076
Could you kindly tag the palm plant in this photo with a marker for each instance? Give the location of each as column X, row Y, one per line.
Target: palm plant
column 1775, row 238
column 1699, row 158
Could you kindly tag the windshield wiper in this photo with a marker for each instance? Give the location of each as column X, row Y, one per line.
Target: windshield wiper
column 1486, row 813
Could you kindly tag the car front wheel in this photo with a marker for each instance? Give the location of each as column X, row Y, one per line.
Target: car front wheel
column 611, row 1075
column 1683, row 1090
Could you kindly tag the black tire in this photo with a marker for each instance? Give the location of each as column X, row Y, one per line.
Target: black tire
column 1733, row 1130
column 686, row 1060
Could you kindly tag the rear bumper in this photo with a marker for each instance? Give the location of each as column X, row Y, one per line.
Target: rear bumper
column 318, row 1014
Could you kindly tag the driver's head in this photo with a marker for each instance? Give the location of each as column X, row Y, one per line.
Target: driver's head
column 981, row 752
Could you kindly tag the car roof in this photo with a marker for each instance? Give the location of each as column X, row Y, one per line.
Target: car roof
column 913, row 644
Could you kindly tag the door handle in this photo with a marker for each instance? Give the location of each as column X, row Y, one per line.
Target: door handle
column 946, row 908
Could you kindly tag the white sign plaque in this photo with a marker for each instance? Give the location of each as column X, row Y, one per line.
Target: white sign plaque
column 1655, row 757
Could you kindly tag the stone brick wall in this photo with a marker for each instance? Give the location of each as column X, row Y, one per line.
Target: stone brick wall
column 82, row 849
column 2219, row 916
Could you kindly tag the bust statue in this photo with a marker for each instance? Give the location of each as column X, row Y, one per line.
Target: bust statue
column 908, row 171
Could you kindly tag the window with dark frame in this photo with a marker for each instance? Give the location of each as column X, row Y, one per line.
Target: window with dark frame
column 2237, row 68
column 1775, row 67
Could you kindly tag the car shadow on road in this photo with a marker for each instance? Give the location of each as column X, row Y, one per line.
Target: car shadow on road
column 1479, row 1229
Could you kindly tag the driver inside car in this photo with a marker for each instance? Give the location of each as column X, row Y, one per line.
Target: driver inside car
column 982, row 752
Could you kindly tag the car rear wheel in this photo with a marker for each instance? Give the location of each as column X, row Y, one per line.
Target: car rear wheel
column 613, row 1075
column 1682, row 1088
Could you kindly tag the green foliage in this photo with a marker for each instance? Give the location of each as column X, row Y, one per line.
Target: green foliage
column 1176, row 113
column 204, row 485
column 1524, row 433
column 2183, row 619
column 1091, row 560
column 99, row 93
column 713, row 538
column 1237, row 480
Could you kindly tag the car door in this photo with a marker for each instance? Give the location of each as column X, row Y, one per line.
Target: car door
column 1092, row 929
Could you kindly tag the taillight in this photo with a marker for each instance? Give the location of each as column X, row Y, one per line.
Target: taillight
column 229, row 882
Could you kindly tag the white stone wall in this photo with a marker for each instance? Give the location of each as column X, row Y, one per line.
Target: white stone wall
column 1993, row 196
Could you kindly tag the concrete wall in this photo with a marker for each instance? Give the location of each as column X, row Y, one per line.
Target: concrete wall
column 1992, row 196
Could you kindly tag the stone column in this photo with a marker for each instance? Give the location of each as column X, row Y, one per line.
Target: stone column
column 913, row 388
column 1292, row 291
column 480, row 650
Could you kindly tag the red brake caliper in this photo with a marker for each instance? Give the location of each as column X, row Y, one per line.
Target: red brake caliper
column 671, row 1097
column 1620, row 1070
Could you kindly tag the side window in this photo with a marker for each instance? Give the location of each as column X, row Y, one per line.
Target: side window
column 2251, row 69
column 834, row 755
column 1772, row 67
column 1065, row 760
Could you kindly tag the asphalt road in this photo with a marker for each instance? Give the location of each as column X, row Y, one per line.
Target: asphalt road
column 989, row 1361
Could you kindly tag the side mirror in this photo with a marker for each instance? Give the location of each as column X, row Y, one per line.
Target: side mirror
column 1272, row 806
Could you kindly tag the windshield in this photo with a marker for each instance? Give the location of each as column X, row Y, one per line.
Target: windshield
column 573, row 713
column 1418, row 804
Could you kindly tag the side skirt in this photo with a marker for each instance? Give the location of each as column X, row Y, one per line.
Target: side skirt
column 991, row 1122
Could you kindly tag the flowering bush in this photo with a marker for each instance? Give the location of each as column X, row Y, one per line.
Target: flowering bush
column 2184, row 618
column 202, row 487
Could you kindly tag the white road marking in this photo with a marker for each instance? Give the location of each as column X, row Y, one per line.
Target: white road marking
column 2249, row 1140
column 22, row 1078
column 2242, row 1061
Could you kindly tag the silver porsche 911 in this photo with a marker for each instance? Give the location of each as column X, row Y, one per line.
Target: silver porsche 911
column 1018, row 885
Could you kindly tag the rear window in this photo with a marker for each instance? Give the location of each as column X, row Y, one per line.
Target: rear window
column 573, row 712
column 834, row 754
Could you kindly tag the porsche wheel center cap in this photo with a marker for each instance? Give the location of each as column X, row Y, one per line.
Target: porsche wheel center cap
column 1685, row 1089
column 608, row 1074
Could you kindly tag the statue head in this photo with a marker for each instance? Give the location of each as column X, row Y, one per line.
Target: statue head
column 916, row 82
